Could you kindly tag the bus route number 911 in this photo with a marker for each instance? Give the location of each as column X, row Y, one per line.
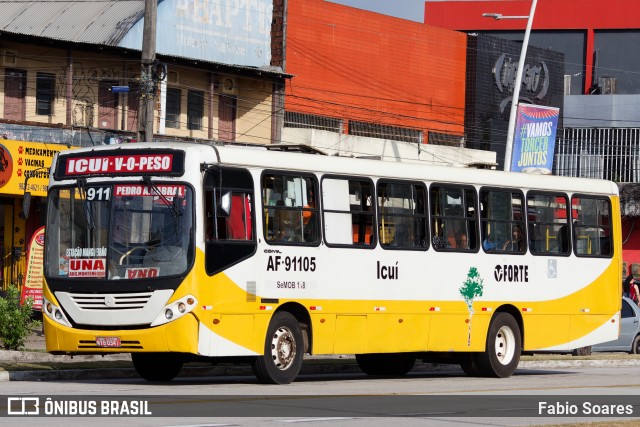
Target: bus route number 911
column 286, row 263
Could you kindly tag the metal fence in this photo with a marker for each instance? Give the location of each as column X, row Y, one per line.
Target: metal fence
column 608, row 153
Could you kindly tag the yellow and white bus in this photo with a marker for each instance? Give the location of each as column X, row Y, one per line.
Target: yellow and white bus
column 176, row 252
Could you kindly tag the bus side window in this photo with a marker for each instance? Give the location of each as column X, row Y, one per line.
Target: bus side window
column 547, row 217
column 592, row 232
column 290, row 214
column 454, row 221
column 402, row 215
column 348, row 206
column 234, row 221
column 503, row 223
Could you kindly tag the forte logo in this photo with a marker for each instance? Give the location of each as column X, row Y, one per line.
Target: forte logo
column 511, row 273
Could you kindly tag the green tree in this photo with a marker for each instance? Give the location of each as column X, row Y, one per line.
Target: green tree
column 15, row 319
column 471, row 289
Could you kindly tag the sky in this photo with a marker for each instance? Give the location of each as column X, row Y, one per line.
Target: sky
column 407, row 9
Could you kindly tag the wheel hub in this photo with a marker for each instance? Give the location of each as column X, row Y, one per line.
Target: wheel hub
column 283, row 348
column 505, row 345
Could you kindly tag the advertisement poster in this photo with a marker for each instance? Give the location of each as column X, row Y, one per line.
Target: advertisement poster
column 32, row 286
column 535, row 139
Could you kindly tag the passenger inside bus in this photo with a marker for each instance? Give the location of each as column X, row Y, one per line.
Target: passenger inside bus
column 309, row 219
column 402, row 237
column 516, row 243
column 462, row 241
column 439, row 242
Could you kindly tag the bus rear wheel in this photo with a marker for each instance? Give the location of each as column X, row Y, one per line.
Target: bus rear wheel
column 395, row 364
column 504, row 344
column 157, row 366
column 283, row 351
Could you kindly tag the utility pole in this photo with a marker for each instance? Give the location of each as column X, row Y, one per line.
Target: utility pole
column 147, row 78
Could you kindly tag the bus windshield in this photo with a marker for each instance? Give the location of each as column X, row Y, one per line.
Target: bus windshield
column 122, row 231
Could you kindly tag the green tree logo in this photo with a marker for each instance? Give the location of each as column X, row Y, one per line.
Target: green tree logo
column 471, row 289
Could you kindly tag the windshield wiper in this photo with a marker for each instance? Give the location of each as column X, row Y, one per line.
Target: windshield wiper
column 88, row 207
column 172, row 206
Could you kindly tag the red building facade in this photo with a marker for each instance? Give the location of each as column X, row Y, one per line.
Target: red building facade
column 582, row 25
column 362, row 69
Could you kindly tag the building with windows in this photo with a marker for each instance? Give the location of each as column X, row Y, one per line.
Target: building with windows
column 600, row 41
column 367, row 84
column 71, row 75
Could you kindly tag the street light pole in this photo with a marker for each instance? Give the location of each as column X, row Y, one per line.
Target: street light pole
column 508, row 152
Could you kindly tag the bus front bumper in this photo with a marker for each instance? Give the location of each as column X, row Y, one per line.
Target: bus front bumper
column 179, row 336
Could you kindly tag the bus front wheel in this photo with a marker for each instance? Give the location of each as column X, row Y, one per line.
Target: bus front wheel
column 283, row 351
column 157, row 366
column 502, row 354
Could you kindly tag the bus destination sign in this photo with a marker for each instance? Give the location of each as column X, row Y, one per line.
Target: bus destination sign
column 104, row 163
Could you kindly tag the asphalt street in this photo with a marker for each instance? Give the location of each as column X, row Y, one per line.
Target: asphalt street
column 93, row 366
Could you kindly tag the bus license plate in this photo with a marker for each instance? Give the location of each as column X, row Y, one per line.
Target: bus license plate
column 108, row 341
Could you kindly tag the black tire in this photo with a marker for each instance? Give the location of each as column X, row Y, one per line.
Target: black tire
column 504, row 344
column 635, row 345
column 157, row 366
column 469, row 364
column 394, row 364
column 582, row 351
column 283, row 351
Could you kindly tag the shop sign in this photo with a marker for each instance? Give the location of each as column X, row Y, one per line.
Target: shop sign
column 32, row 286
column 19, row 159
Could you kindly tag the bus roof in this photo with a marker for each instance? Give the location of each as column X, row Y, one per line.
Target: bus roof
column 259, row 156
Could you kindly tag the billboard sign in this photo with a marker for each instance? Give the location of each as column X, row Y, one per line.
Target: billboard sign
column 226, row 31
column 534, row 139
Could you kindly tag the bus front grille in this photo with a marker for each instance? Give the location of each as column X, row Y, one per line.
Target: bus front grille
column 111, row 301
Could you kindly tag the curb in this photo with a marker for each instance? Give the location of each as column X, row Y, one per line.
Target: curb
column 11, row 356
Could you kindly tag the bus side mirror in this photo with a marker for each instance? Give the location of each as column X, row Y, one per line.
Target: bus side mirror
column 224, row 203
column 26, row 205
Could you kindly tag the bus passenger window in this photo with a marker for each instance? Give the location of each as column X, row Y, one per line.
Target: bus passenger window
column 228, row 205
column 503, row 225
column 348, row 212
column 592, row 232
column 290, row 213
column 454, row 221
column 402, row 215
column 548, row 219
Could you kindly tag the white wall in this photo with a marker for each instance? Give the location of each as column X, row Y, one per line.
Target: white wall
column 348, row 145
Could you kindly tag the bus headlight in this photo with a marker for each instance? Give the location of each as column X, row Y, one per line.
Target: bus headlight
column 54, row 313
column 175, row 310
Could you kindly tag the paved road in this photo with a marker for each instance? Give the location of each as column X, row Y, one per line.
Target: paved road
column 444, row 398
column 35, row 353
